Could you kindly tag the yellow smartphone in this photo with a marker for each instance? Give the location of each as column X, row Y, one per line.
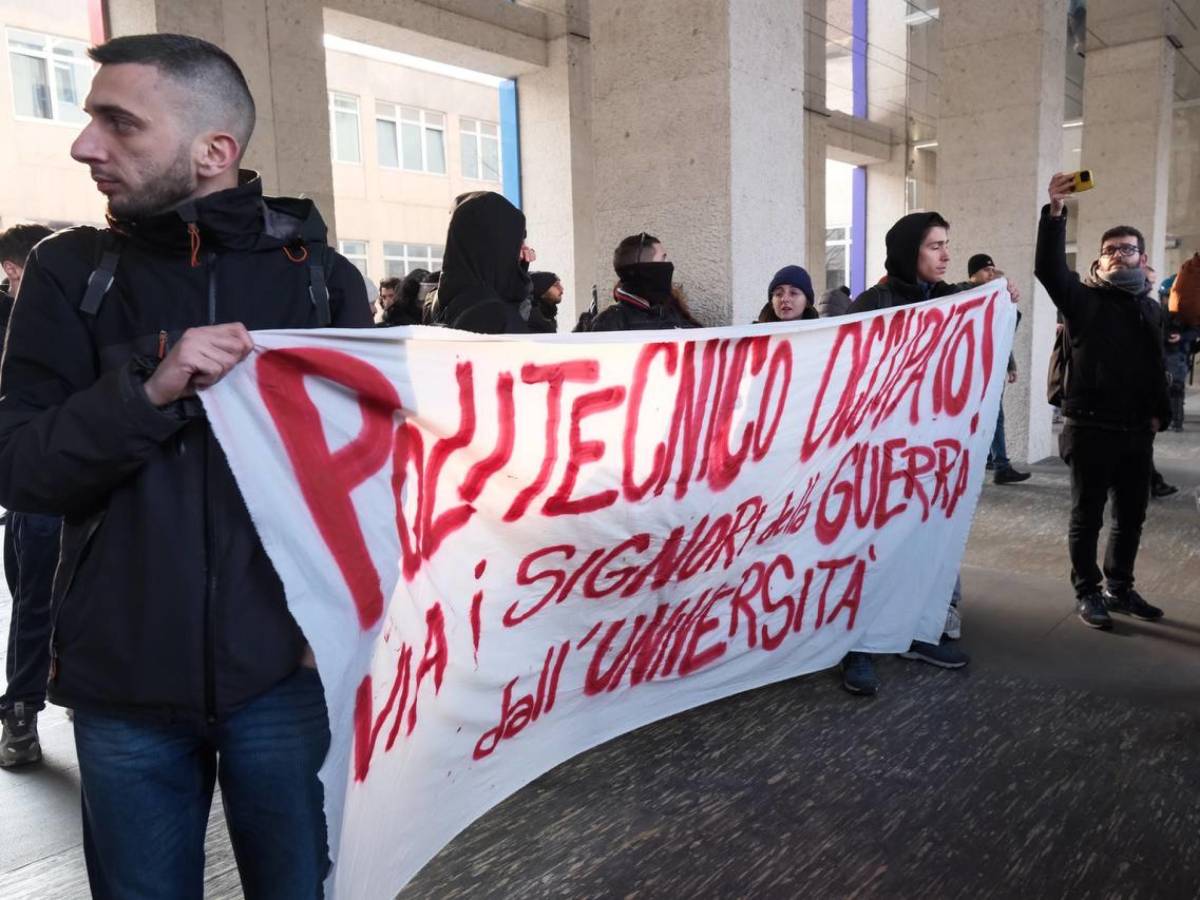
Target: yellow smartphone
column 1083, row 180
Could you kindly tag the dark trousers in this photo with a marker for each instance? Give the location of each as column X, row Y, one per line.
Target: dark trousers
column 1106, row 464
column 30, row 557
column 147, row 788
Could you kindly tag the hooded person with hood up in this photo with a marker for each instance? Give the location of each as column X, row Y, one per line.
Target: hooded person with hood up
column 789, row 297
column 918, row 256
column 547, row 294
column 405, row 309
column 646, row 297
column 484, row 286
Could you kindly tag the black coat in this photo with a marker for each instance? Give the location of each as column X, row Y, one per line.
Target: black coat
column 483, row 287
column 621, row 316
column 165, row 603
column 1116, row 376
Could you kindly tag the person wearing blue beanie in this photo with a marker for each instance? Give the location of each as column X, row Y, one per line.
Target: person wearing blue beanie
column 789, row 297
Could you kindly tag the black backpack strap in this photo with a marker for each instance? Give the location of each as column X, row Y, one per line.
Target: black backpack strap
column 102, row 276
column 318, row 272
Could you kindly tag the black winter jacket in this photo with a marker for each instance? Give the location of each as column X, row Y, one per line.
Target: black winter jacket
column 1116, row 376
column 621, row 316
column 165, row 604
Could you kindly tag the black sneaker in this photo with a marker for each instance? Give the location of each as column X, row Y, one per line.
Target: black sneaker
column 1092, row 613
column 1009, row 475
column 19, row 743
column 1131, row 603
column 1160, row 489
column 858, row 674
column 943, row 655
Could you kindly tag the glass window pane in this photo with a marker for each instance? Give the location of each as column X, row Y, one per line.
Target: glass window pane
column 70, row 97
column 387, row 110
column 435, row 152
column 353, row 248
column 31, row 90
column 346, row 126
column 394, row 268
column 410, row 145
column 385, row 139
column 344, row 102
column 26, row 39
column 434, row 120
column 490, row 161
column 392, row 250
column 468, row 126
column 409, row 114
column 69, row 50
column 470, row 156
column 488, row 129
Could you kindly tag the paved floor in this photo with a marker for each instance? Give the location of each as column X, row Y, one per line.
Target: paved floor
column 1063, row 762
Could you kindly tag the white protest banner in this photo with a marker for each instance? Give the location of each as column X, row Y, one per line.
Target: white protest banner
column 505, row 551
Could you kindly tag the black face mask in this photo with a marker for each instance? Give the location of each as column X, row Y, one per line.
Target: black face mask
column 649, row 280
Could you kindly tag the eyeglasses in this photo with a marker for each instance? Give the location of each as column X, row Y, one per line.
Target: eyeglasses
column 1121, row 250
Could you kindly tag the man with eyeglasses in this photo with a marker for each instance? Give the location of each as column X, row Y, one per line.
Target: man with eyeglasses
column 1114, row 402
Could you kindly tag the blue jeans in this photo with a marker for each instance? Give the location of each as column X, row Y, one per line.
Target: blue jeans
column 30, row 557
column 147, row 789
column 998, row 453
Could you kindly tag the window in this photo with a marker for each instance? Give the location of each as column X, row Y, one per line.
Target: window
column 356, row 252
column 51, row 76
column 837, row 257
column 343, row 127
column 400, row 259
column 480, row 150
column 410, row 138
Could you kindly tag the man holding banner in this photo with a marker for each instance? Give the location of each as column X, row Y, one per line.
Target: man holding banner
column 171, row 638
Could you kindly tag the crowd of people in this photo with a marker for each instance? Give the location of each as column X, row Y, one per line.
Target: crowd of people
column 143, row 599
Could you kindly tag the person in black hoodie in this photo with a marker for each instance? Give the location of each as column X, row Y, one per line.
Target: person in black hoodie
column 918, row 256
column 646, row 299
column 1114, row 402
column 789, row 297
column 484, row 286
column 547, row 293
column 30, row 556
column 171, row 638
column 405, row 307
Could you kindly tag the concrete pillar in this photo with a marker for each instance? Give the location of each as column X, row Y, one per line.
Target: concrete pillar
column 699, row 139
column 279, row 46
column 555, row 106
column 1183, row 205
column 1128, row 90
column 1000, row 140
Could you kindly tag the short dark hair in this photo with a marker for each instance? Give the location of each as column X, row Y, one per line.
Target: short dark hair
column 392, row 284
column 16, row 242
column 629, row 251
column 217, row 90
column 1124, row 231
